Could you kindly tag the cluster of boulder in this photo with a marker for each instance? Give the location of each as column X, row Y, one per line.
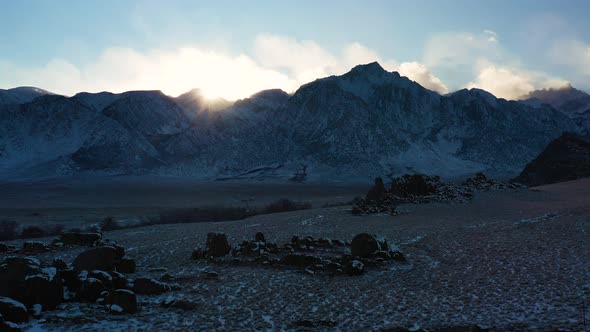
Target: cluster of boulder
column 314, row 256
column 420, row 189
column 29, row 285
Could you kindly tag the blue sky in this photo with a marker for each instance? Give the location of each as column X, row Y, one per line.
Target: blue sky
column 233, row 48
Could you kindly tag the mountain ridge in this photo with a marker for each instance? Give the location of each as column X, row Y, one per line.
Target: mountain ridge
column 365, row 123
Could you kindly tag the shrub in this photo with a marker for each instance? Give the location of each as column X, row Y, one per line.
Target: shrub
column 109, row 224
column 284, row 205
column 31, row 232
column 208, row 213
column 8, row 230
column 56, row 229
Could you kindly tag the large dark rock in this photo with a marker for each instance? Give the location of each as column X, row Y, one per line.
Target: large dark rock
column 217, row 245
column 566, row 158
column 415, row 184
column 90, row 290
column 124, row 299
column 77, row 239
column 101, row 258
column 150, row 286
column 45, row 289
column 12, row 310
column 377, row 192
column 364, row 244
column 26, row 280
column 125, row 265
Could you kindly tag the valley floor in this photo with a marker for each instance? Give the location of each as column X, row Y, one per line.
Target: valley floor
column 512, row 260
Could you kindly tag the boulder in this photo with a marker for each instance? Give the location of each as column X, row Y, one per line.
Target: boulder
column 125, row 265
column 102, row 258
column 148, row 286
column 364, row 244
column 103, row 276
column 77, row 239
column 377, row 192
column 119, row 280
column 259, row 237
column 12, row 310
column 70, row 279
column 45, row 289
column 90, row 290
column 217, row 245
column 124, row 299
column 25, row 280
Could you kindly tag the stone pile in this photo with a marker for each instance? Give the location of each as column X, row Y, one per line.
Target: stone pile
column 29, row 285
column 421, row 189
column 313, row 256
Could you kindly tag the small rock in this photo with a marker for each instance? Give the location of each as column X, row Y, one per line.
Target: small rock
column 7, row 326
column 119, row 280
column 104, row 277
column 354, row 268
column 124, row 299
column 34, row 247
column 77, row 239
column 59, row 264
column 259, row 237
column 166, row 277
column 181, row 304
column 12, row 310
column 150, row 286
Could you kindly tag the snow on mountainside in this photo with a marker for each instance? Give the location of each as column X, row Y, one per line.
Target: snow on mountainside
column 365, row 123
column 569, row 100
column 21, row 95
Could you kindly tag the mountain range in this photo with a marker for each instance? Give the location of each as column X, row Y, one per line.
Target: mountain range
column 368, row 122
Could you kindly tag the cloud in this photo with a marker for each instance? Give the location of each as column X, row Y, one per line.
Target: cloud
column 572, row 53
column 174, row 72
column 461, row 49
column 419, row 73
column 306, row 60
column 492, row 35
column 510, row 83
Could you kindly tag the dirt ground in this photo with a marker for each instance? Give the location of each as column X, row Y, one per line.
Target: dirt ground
column 507, row 260
column 75, row 202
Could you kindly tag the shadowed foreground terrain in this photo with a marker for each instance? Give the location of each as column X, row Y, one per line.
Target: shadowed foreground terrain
column 505, row 260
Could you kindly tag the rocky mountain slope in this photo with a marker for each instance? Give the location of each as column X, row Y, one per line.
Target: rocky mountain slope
column 20, row 95
column 569, row 100
column 365, row 123
column 566, row 158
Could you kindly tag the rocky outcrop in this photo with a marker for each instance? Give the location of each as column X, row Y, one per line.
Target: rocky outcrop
column 566, row 158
